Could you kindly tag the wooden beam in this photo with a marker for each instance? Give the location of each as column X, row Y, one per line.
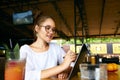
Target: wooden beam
column 62, row 17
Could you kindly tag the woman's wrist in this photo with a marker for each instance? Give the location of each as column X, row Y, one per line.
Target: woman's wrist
column 65, row 65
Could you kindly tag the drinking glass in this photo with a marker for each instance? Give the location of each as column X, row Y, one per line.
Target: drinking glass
column 14, row 69
column 93, row 71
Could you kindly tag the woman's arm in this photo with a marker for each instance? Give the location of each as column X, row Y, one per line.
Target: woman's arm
column 69, row 57
column 52, row 71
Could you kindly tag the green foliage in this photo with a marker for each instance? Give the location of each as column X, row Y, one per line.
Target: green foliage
column 102, row 40
column 7, row 51
column 15, row 51
column 89, row 40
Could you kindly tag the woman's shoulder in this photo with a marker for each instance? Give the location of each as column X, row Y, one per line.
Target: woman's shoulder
column 54, row 44
column 25, row 46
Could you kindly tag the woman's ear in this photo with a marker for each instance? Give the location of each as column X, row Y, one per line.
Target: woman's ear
column 37, row 28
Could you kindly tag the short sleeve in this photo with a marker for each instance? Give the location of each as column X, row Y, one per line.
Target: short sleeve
column 23, row 53
column 30, row 72
column 60, row 53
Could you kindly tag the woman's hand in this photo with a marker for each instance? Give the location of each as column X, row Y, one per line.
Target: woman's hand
column 69, row 58
column 63, row 75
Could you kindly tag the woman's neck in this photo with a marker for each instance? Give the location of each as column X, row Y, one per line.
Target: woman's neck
column 41, row 44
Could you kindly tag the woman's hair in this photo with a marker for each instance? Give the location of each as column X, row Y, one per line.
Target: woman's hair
column 38, row 20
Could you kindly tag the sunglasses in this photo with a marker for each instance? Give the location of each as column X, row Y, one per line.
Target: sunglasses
column 48, row 29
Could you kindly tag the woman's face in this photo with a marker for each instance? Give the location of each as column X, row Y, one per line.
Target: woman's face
column 46, row 31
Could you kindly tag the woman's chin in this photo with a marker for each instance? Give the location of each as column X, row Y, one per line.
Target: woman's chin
column 48, row 39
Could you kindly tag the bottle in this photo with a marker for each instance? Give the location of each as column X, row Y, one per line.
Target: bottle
column 93, row 61
column 97, row 59
column 87, row 58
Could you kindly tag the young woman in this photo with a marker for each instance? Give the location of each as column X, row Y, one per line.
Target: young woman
column 43, row 58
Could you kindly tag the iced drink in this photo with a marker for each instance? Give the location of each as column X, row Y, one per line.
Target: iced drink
column 14, row 70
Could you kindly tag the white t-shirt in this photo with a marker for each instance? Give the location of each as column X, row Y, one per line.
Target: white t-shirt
column 35, row 62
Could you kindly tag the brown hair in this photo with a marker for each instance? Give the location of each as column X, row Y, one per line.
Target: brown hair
column 38, row 20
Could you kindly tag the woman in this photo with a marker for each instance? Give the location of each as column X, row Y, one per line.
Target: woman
column 42, row 56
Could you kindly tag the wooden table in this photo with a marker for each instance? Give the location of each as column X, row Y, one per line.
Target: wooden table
column 111, row 76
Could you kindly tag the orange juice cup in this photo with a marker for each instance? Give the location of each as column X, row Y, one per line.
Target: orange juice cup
column 14, row 70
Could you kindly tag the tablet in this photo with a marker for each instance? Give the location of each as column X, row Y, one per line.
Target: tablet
column 79, row 59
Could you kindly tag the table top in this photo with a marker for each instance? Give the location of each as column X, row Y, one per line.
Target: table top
column 111, row 76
